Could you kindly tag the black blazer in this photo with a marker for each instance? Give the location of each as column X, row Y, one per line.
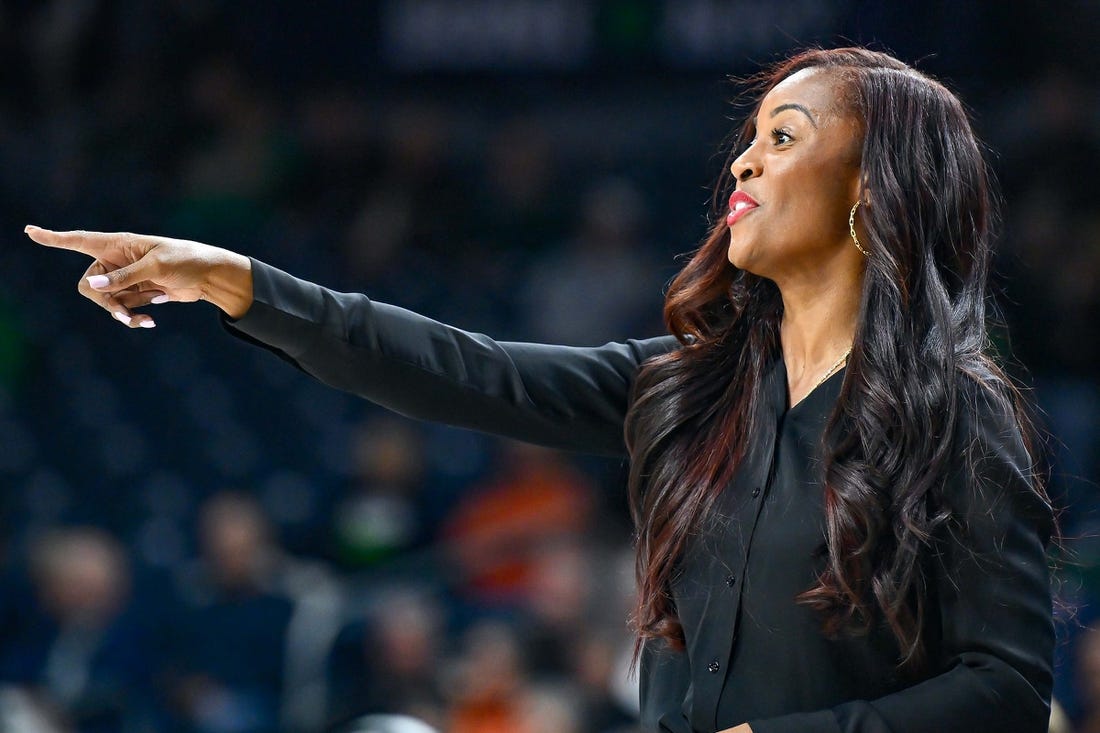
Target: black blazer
column 752, row 655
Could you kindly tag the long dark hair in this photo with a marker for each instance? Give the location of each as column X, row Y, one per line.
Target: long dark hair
column 887, row 443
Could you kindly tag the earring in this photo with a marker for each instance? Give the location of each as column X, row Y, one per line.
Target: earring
column 852, row 229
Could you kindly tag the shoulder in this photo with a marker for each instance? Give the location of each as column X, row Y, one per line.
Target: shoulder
column 995, row 472
column 989, row 421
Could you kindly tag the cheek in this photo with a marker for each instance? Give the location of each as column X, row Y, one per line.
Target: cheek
column 817, row 204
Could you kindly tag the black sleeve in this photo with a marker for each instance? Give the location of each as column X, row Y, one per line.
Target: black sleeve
column 573, row 398
column 995, row 606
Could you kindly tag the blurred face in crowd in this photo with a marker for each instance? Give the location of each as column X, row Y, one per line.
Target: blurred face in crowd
column 802, row 174
column 234, row 540
column 82, row 576
column 407, row 636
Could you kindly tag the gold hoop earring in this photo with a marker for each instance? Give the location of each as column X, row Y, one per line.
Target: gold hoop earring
column 852, row 229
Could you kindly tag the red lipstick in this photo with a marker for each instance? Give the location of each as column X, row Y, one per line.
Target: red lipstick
column 740, row 204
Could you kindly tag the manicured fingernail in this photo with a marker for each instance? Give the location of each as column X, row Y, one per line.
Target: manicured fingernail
column 147, row 324
column 29, row 227
column 158, row 299
column 99, row 281
column 122, row 317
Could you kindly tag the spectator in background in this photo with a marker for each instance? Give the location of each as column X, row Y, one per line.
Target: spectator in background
column 552, row 708
column 81, row 655
column 235, row 618
column 573, row 631
column 390, row 661
column 602, row 282
column 595, row 669
column 381, row 515
column 489, row 684
column 498, row 530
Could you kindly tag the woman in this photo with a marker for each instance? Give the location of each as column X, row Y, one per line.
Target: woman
column 839, row 526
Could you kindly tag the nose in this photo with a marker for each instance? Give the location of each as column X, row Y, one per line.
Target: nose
column 746, row 165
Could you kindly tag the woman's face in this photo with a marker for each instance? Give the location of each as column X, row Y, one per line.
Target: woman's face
column 802, row 171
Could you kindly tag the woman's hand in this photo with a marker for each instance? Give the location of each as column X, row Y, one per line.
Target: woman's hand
column 133, row 270
column 743, row 728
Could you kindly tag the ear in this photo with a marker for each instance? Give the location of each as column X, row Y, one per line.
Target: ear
column 862, row 189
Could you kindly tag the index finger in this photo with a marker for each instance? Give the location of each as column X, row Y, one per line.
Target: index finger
column 89, row 243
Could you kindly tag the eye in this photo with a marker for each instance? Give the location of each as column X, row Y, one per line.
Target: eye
column 781, row 137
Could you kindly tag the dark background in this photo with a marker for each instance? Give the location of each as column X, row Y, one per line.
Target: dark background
column 195, row 537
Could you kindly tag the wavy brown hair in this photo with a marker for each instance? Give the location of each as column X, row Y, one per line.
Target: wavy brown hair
column 887, row 442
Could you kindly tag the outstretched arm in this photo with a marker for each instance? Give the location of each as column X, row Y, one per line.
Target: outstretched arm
column 565, row 397
column 573, row 398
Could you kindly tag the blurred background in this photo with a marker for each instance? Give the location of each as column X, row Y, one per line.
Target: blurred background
column 195, row 537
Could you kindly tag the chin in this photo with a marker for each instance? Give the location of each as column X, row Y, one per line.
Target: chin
column 736, row 257
column 740, row 255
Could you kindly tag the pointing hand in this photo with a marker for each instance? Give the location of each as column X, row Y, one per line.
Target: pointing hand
column 134, row 270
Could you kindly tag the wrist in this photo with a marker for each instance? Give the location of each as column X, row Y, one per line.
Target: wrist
column 228, row 283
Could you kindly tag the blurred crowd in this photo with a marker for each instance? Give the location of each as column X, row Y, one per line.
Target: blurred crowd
column 194, row 537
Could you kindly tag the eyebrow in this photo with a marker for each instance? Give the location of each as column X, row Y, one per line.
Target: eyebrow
column 799, row 107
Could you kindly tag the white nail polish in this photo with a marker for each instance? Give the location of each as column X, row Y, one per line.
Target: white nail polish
column 158, row 299
column 122, row 317
column 147, row 324
column 99, row 281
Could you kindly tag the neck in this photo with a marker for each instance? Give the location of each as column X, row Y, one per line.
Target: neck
column 818, row 326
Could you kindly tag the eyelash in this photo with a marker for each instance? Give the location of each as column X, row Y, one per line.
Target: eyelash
column 776, row 133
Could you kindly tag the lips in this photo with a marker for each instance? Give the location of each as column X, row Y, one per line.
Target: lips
column 740, row 204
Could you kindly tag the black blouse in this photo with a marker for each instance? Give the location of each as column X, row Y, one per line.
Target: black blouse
column 753, row 655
